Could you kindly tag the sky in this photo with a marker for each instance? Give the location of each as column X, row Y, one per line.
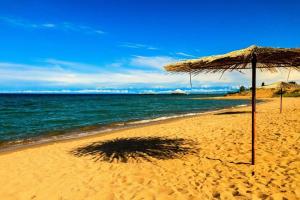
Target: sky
column 121, row 46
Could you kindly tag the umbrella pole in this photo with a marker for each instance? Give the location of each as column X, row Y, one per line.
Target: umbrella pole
column 281, row 100
column 253, row 106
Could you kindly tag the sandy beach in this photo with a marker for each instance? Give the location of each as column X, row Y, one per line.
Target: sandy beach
column 199, row 157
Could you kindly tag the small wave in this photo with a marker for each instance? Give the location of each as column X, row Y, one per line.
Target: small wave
column 178, row 116
column 243, row 105
column 164, row 118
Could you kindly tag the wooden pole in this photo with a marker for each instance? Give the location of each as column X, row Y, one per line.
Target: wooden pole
column 281, row 100
column 254, row 60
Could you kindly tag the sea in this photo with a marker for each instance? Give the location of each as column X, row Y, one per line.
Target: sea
column 37, row 118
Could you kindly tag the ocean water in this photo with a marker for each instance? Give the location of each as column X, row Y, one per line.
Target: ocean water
column 33, row 117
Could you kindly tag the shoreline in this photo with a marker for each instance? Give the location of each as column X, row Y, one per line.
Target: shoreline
column 76, row 135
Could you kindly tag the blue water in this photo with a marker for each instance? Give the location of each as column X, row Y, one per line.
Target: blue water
column 29, row 116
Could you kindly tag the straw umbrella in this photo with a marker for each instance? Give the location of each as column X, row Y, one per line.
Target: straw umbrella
column 280, row 86
column 253, row 57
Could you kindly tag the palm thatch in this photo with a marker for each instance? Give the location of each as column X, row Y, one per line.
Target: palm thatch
column 268, row 59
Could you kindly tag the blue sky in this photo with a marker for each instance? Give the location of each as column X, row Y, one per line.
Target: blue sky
column 122, row 45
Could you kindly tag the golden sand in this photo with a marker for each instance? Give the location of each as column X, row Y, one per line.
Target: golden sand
column 218, row 170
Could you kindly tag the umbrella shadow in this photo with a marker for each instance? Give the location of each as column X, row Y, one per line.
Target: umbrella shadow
column 233, row 112
column 137, row 148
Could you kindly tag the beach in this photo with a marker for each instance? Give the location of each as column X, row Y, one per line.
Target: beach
column 211, row 160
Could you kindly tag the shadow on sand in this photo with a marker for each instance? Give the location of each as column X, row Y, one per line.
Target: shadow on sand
column 232, row 162
column 233, row 112
column 137, row 148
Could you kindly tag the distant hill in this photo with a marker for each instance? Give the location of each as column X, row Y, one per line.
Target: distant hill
column 281, row 84
column 290, row 89
column 179, row 92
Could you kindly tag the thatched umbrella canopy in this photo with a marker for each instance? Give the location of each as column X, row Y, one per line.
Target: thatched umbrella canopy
column 268, row 59
column 263, row 58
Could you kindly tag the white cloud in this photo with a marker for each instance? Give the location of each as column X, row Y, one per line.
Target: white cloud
column 83, row 91
column 49, row 25
column 17, row 22
column 152, row 61
column 137, row 46
column 60, row 76
column 115, row 64
column 267, row 77
column 99, row 32
column 49, row 73
column 65, row 26
column 68, row 65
